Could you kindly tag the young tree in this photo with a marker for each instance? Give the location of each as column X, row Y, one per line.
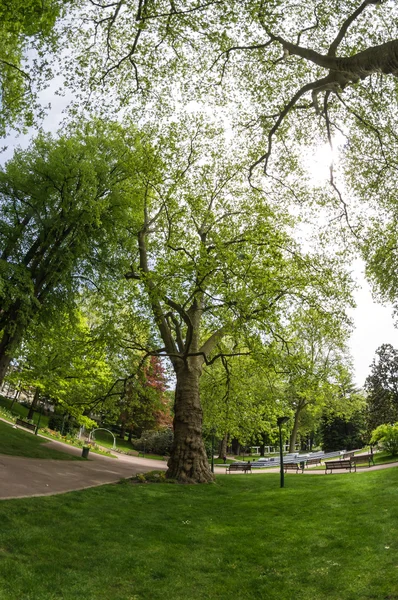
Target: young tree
column 313, row 363
column 242, row 396
column 143, row 403
column 65, row 362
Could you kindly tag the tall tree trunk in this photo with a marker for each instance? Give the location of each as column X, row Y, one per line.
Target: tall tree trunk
column 34, row 404
column 188, row 461
column 235, row 447
column 8, row 344
column 122, row 432
column 131, row 433
column 223, row 446
column 293, row 435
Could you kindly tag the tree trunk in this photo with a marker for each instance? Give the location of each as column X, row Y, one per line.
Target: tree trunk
column 293, row 435
column 131, row 434
column 235, row 447
column 34, row 404
column 122, row 432
column 8, row 344
column 223, row 447
column 188, row 462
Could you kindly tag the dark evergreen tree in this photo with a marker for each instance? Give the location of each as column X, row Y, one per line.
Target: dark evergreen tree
column 382, row 388
column 339, row 433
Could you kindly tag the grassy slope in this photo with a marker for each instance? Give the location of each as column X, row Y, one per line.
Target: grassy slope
column 321, row 538
column 22, row 411
column 21, row 443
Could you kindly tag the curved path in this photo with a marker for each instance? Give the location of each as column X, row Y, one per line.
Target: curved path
column 22, row 477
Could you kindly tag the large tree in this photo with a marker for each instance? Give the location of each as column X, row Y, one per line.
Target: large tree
column 62, row 220
column 214, row 259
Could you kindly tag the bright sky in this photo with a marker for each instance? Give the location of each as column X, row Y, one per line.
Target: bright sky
column 374, row 325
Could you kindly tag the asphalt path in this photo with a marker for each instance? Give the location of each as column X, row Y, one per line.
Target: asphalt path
column 22, row 477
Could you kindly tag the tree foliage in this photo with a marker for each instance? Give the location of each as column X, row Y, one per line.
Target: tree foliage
column 27, row 29
column 387, row 435
column 381, row 387
column 62, row 220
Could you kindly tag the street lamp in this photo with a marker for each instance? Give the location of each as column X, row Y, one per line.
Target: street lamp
column 38, row 422
column 213, row 431
column 281, row 421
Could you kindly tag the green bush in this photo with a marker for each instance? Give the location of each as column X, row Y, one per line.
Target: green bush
column 155, row 442
column 62, row 423
column 152, row 477
column 387, row 435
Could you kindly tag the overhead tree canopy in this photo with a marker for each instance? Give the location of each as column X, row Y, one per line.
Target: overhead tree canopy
column 28, row 36
column 280, row 56
column 287, row 76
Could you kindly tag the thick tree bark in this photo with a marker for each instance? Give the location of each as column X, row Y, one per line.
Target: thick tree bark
column 34, row 404
column 188, row 462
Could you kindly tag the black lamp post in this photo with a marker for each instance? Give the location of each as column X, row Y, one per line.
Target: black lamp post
column 38, row 422
column 213, row 431
column 281, row 421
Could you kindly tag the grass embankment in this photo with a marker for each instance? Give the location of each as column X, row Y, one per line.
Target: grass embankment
column 16, row 442
column 105, row 439
column 20, row 411
column 320, row 538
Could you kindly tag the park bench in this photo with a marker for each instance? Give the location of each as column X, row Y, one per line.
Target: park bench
column 245, row 467
column 290, row 466
column 313, row 461
column 332, row 465
column 364, row 458
column 348, row 455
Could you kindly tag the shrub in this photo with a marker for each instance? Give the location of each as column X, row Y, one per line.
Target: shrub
column 155, row 442
column 152, row 477
column 62, row 423
column 387, row 435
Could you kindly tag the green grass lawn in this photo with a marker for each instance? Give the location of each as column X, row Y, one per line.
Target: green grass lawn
column 320, row 538
column 16, row 442
column 21, row 411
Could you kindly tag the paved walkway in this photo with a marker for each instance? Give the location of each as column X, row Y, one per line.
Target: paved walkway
column 22, row 477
